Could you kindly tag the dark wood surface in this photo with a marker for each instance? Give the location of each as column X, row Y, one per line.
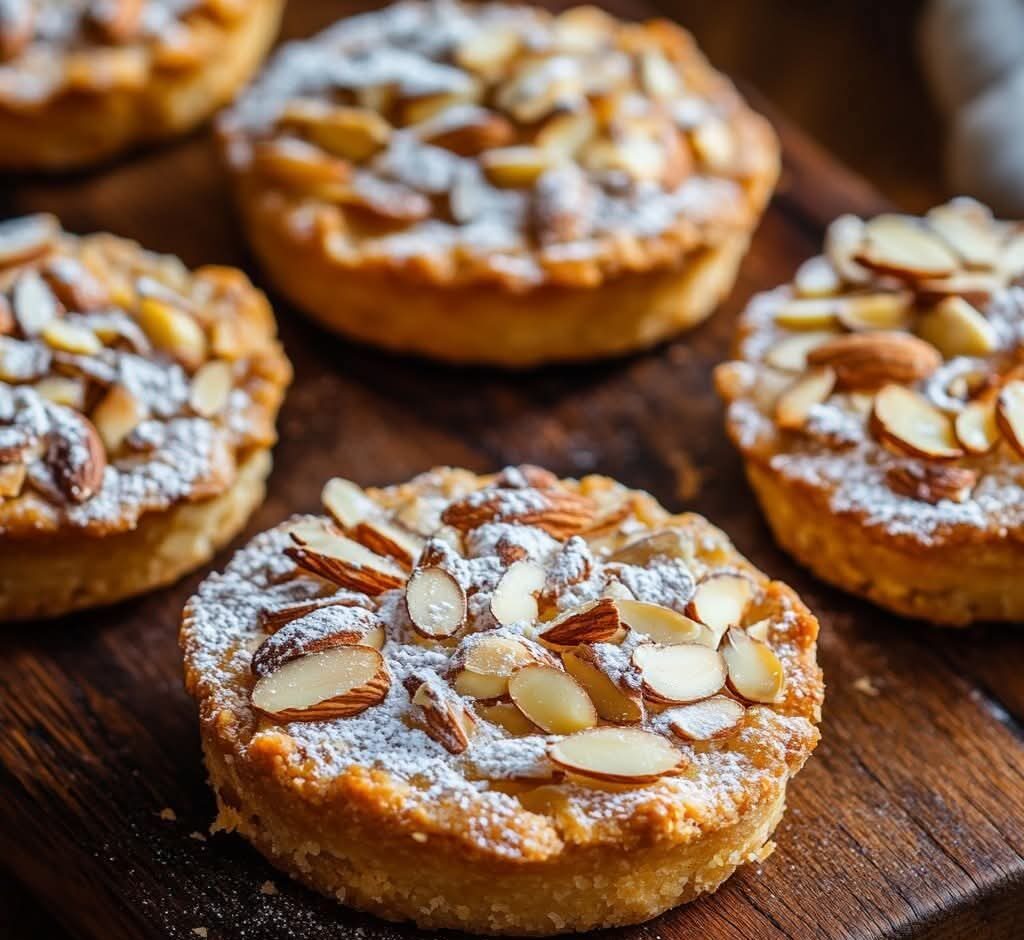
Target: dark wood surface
column 907, row 822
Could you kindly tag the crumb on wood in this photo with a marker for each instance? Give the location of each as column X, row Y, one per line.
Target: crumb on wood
column 199, row 931
column 866, row 686
column 198, row 836
column 168, row 814
column 268, row 887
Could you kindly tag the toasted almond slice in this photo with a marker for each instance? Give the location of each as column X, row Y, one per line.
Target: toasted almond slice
column 583, row 29
column 333, row 683
column 386, row 538
column 794, row 405
column 871, row 360
column 318, row 630
column 515, row 597
column 436, row 602
column 932, row 483
column 594, row 622
column 843, row 240
column 714, row 718
column 515, row 167
column 35, row 305
column 669, row 543
column 715, row 144
column 814, row 313
column 755, row 672
column 211, row 388
column 62, row 390
column 350, row 133
column 347, row 502
column 70, row 338
column 474, row 685
column 910, row 423
column 760, row 630
column 882, row 310
column 790, row 353
column 976, row 427
column 675, row 675
column 468, row 130
column 487, row 51
column 664, row 626
column 902, row 246
column 976, row 289
column 26, row 238
column 565, row 133
column 273, row 618
column 299, row 165
column 660, row 78
column 613, row 702
column 490, row 655
column 343, row 561
column 445, row 717
column 12, row 479
column 956, row 328
column 616, row 755
column 816, row 278
column 721, row 600
column 552, row 699
column 116, row 416
column 1010, row 414
column 506, row 715
column 558, row 512
column 971, row 237
column 173, row 331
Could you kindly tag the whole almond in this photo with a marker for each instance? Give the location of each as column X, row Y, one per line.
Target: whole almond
column 931, row 483
column 871, row 360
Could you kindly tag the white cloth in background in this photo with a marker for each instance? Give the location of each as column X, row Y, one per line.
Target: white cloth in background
column 973, row 56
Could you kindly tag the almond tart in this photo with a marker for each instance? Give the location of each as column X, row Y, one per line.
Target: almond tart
column 84, row 80
column 137, row 407
column 506, row 704
column 878, row 403
column 496, row 184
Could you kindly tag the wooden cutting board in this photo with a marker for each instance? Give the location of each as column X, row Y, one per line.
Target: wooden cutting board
column 907, row 822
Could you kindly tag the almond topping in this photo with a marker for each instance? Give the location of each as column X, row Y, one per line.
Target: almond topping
column 334, row 683
column 489, row 655
column 755, row 672
column 969, row 235
column 27, row 238
column 273, row 618
column 1010, row 414
column 343, row 561
column 616, row 755
column 488, row 51
column 77, row 458
column 116, row 416
column 716, row 717
column 871, row 360
column 70, row 338
column 976, row 427
column 351, row 133
column 35, row 305
column 515, row 167
column 515, row 597
column 468, row 130
column 552, row 699
column 807, row 314
column 595, row 622
column 976, row 289
column 790, row 353
column 663, row 625
column 884, row 310
column 63, row 391
column 385, row 538
column 793, row 407
column 347, row 502
column 559, row 513
column 474, row 685
column 506, row 715
column 956, row 328
column 675, row 675
column 211, row 388
column 564, row 134
column 913, row 425
column 817, row 278
column 929, row 483
column 173, row 331
column 445, row 717
column 669, row 543
column 842, row 241
column 12, row 479
column 721, row 601
column 901, row 246
column 612, row 701
column 436, row 602
column 321, row 629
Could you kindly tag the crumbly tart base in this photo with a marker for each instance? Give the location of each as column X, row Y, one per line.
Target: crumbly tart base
column 381, row 818
column 488, row 324
column 77, row 128
column 70, row 571
column 950, row 585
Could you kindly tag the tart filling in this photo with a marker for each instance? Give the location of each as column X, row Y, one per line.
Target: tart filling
column 128, row 384
column 500, row 143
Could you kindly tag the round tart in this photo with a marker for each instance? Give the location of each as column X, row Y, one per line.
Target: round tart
column 495, row 184
column 879, row 407
column 505, row 704
column 137, row 407
column 84, row 80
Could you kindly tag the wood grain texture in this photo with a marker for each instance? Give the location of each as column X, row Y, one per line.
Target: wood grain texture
column 908, row 821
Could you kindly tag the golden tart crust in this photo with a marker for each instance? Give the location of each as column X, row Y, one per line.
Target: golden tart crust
column 137, row 408
column 82, row 81
column 451, row 779
column 483, row 183
column 876, row 402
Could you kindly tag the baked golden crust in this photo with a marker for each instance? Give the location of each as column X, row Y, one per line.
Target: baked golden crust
column 874, row 402
column 130, row 387
column 82, row 82
column 578, row 155
column 393, row 809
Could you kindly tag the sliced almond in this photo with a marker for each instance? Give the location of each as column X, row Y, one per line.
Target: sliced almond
column 814, row 313
column 871, row 360
column 956, row 328
column 790, row 353
column 333, row 683
column 350, row 133
column 1010, row 414
column 62, row 390
column 912, row 425
column 386, row 538
column 491, row 655
column 12, row 479
column 816, row 278
column 976, row 289
column 515, row 167
column 343, row 561
column 299, row 165
column 668, row 543
column 881, row 310
column 444, row 716
column 77, row 458
column 474, row 685
column 594, row 622
column 843, row 240
column 902, row 246
column 659, row 77
column 612, row 701
column 715, row 145
column 273, row 618
column 436, row 602
column 70, row 337
column 976, row 427
column 468, row 130
column 793, row 407
column 116, row 416
column 515, row 597
column 487, row 51
column 320, row 629
column 173, row 331
column 211, row 388
column 566, row 133
column 721, row 600
column 27, row 238
column 760, row 630
column 347, row 502
column 674, row 675
column 552, row 699
column 714, row 718
column 972, row 237
column 931, row 483
column 506, row 715
column 558, row 512
column 755, row 672
column 35, row 305
column 616, row 755
column 663, row 625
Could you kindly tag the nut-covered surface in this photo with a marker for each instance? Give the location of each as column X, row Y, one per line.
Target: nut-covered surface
column 490, row 735
column 499, row 144
column 885, row 382
column 128, row 384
